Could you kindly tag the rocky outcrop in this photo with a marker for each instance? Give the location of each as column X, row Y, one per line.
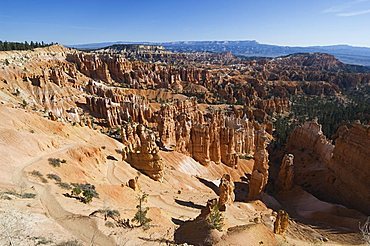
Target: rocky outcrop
column 226, row 190
column 116, row 106
column 207, row 137
column 281, row 223
column 260, row 173
column 141, row 150
column 217, row 136
column 310, row 137
column 336, row 173
column 199, row 231
column 285, row 179
column 134, row 184
column 351, row 166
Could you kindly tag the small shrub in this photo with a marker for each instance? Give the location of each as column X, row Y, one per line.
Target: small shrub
column 69, row 243
column 28, row 195
column 246, row 157
column 64, row 185
column 215, row 219
column 76, row 191
column 54, row 177
column 108, row 213
column 55, row 162
column 83, row 192
column 140, row 216
column 88, row 195
column 36, row 173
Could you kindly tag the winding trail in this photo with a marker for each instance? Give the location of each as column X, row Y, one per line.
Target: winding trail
column 82, row 227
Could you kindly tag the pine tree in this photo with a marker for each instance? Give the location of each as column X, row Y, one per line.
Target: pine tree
column 140, row 216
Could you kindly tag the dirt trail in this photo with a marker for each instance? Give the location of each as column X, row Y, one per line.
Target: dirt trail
column 19, row 174
column 82, row 227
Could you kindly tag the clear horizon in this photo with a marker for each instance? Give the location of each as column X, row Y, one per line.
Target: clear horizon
column 286, row 23
column 173, row 41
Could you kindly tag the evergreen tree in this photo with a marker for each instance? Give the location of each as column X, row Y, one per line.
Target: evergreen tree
column 5, row 45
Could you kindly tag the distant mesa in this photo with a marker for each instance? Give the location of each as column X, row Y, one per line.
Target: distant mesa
column 250, row 48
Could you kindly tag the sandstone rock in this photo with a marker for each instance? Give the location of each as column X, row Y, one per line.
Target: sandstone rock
column 211, row 137
column 285, row 180
column 117, row 107
column 281, row 223
column 336, row 173
column 260, row 169
column 52, row 116
column 141, row 151
column 351, row 166
column 198, row 231
column 227, row 195
column 134, row 184
column 310, row 137
column 89, row 123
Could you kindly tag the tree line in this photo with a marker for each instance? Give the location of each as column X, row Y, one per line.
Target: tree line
column 330, row 112
column 6, row 46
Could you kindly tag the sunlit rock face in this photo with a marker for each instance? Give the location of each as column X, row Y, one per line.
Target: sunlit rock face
column 337, row 173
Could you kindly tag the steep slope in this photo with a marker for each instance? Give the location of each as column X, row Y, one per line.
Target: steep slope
column 337, row 173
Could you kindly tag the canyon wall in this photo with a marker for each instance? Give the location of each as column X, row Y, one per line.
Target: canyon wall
column 337, row 173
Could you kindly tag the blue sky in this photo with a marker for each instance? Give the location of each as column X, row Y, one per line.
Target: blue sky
column 284, row 22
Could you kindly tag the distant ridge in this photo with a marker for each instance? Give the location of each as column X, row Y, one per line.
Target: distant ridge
column 103, row 45
column 251, row 48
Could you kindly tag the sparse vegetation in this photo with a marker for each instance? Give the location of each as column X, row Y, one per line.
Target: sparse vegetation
column 56, row 162
column 39, row 175
column 28, row 195
column 70, row 243
column 83, row 192
column 7, row 195
column 36, row 173
column 115, row 216
column 246, row 157
column 215, row 219
column 112, row 213
column 54, row 177
column 64, row 185
column 107, row 213
column 141, row 214
column 58, row 181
